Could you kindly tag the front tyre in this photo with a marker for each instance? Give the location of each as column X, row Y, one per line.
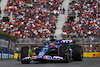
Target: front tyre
column 25, row 62
column 24, row 53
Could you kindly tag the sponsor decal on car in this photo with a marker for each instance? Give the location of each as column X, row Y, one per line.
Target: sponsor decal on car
column 42, row 52
column 40, row 55
column 53, row 58
column 4, row 54
column 66, row 41
column 26, row 58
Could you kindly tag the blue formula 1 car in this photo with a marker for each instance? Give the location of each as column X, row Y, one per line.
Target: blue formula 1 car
column 63, row 50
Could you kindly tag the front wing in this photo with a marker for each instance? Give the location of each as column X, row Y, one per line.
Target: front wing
column 46, row 57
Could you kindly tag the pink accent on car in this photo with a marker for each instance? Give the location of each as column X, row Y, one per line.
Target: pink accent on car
column 29, row 50
column 58, row 48
column 71, row 40
column 52, row 58
column 58, row 57
column 25, row 58
column 45, row 57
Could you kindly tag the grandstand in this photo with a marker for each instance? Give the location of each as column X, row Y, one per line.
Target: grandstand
column 88, row 23
column 83, row 23
column 33, row 19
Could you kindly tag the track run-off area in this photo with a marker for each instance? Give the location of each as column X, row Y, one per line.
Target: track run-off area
column 87, row 62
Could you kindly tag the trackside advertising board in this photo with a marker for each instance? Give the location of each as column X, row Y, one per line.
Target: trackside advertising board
column 6, row 54
column 6, row 47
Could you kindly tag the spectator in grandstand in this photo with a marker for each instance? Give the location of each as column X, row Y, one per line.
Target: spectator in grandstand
column 38, row 21
column 0, row 19
column 88, row 24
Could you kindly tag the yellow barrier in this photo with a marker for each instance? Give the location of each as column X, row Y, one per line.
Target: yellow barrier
column 91, row 54
column 85, row 54
column 15, row 55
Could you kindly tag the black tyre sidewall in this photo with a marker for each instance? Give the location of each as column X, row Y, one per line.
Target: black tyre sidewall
column 77, row 54
column 25, row 62
column 63, row 50
column 24, row 53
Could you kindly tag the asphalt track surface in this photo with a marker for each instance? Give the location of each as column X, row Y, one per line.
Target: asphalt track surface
column 87, row 62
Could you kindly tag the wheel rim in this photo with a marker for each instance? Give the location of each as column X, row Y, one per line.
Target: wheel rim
column 68, row 57
column 81, row 54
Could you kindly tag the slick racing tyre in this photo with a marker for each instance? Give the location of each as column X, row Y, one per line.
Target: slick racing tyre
column 77, row 54
column 24, row 53
column 64, row 52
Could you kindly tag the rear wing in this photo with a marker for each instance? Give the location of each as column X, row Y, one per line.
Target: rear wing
column 65, row 41
column 60, row 42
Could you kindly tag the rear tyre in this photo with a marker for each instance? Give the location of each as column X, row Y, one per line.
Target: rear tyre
column 77, row 54
column 64, row 52
column 24, row 53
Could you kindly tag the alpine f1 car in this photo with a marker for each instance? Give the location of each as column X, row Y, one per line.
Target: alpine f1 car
column 63, row 50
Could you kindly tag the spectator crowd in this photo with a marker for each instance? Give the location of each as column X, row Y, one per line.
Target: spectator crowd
column 32, row 18
column 88, row 24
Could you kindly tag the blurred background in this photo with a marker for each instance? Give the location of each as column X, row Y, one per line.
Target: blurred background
column 32, row 22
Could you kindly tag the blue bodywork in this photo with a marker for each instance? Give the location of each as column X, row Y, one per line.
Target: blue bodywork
column 44, row 50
